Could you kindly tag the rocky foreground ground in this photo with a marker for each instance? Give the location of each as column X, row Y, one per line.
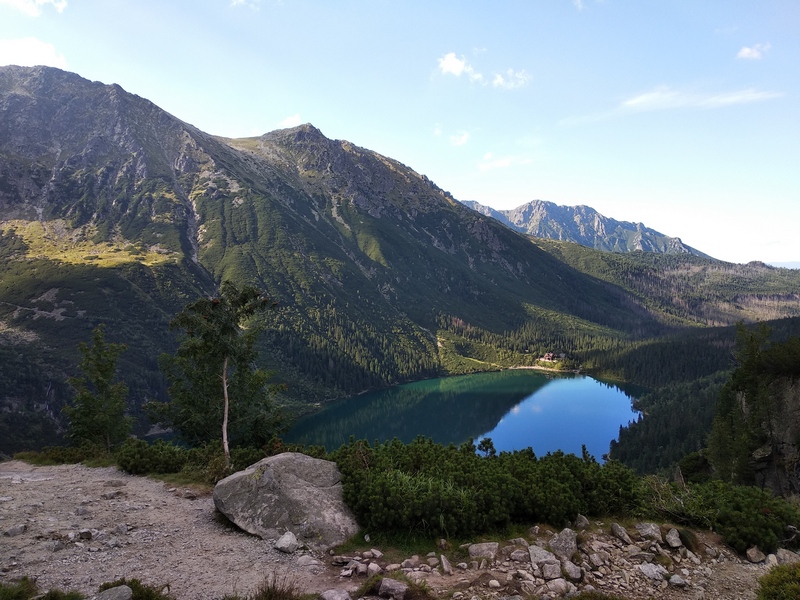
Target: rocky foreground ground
column 74, row 527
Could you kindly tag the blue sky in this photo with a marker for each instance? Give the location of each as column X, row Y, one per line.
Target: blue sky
column 683, row 115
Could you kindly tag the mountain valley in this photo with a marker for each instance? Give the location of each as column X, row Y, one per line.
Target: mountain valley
column 114, row 211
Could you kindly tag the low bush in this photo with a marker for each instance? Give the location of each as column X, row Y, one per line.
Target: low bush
column 452, row 491
column 745, row 516
column 64, row 455
column 781, row 583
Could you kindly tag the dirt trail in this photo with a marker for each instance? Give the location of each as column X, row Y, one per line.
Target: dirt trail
column 86, row 526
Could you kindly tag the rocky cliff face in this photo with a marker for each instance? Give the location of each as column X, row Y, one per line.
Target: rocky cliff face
column 777, row 463
column 585, row 226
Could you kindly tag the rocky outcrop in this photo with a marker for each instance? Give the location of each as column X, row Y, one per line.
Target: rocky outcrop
column 289, row 492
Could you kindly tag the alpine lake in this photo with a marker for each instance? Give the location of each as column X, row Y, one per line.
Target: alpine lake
column 516, row 408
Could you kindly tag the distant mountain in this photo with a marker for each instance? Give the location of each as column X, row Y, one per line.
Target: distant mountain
column 585, row 226
column 114, row 211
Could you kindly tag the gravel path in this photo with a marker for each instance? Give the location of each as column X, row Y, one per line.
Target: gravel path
column 72, row 527
column 87, row 526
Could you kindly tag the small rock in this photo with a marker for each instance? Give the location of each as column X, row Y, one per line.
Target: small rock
column 540, row 555
column 308, row 561
column 551, row 571
column 377, row 554
column 650, row 531
column 520, row 555
column 16, row 530
column 287, row 543
column 562, row 587
column 85, row 534
column 391, row 588
column 754, row 555
column 519, row 542
column 335, row 595
column 564, row 544
column 620, row 533
column 674, row 538
column 373, row 569
column 447, row 568
column 581, row 522
column 653, row 571
column 494, row 584
column 484, row 550
column 677, row 581
column 121, row 592
column 786, row 557
column 571, row 570
column 433, row 561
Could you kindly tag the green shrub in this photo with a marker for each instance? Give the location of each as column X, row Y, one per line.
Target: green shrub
column 452, row 491
column 140, row 590
column 24, row 589
column 137, row 457
column 63, row 455
column 743, row 515
column 781, row 583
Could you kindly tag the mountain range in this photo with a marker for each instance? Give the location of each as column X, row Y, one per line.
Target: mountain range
column 585, row 226
column 114, row 211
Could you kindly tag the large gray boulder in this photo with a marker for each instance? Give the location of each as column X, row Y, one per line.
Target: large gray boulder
column 288, row 492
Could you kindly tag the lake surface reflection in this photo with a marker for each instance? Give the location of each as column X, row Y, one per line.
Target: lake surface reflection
column 516, row 408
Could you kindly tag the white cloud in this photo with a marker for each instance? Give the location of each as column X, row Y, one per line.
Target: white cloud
column 663, row 98
column 451, row 64
column 511, row 80
column 490, row 162
column 459, row 139
column 578, row 4
column 290, row 121
column 33, row 8
column 437, row 130
column 755, row 52
column 254, row 4
column 29, row 52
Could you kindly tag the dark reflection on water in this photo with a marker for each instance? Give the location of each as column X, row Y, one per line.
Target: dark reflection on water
column 516, row 408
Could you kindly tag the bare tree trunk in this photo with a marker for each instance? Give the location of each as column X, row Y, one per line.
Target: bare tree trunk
column 225, row 447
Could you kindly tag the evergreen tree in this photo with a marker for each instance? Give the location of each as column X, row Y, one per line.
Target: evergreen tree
column 97, row 415
column 216, row 387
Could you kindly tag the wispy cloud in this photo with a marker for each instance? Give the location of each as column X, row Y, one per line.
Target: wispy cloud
column 290, row 121
column 29, row 52
column 665, row 98
column 460, row 138
column 511, row 80
column 490, row 162
column 450, row 64
column 33, row 8
column 578, row 4
column 755, row 52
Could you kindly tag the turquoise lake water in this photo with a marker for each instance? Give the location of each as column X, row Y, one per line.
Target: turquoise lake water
column 516, row 408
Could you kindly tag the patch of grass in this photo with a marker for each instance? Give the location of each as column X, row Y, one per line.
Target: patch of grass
column 416, row 591
column 140, row 590
column 18, row 590
column 274, row 587
column 25, row 589
column 56, row 240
